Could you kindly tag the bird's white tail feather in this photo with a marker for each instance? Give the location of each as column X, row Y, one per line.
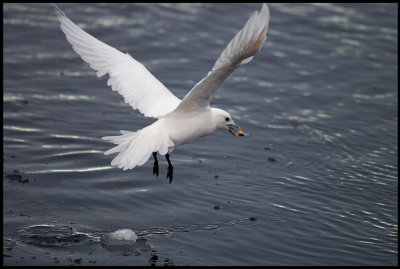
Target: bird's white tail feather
column 135, row 148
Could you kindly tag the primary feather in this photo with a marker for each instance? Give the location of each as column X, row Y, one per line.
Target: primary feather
column 128, row 77
column 239, row 51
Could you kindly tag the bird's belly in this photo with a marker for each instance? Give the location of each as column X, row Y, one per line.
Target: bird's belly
column 185, row 131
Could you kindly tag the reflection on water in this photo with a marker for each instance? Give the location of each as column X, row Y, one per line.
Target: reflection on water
column 314, row 184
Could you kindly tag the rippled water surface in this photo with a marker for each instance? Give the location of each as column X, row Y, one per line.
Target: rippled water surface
column 315, row 182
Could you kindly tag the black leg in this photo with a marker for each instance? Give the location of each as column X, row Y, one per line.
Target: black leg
column 170, row 169
column 155, row 166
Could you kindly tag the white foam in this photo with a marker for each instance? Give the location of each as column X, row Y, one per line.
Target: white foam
column 120, row 237
column 124, row 234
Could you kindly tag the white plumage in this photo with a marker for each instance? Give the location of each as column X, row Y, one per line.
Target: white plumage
column 128, row 77
column 178, row 121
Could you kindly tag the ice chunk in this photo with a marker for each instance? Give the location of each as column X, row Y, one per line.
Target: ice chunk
column 124, row 234
column 120, row 237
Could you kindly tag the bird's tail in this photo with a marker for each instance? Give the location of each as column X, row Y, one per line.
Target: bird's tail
column 135, row 148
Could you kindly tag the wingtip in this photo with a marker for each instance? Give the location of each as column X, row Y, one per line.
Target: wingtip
column 58, row 10
column 265, row 9
column 264, row 15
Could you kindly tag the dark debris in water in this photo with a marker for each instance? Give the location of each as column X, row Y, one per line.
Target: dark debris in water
column 17, row 178
column 14, row 177
column 271, row 159
column 168, row 262
column 153, row 258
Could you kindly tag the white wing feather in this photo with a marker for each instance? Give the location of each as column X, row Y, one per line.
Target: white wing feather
column 127, row 76
column 239, row 51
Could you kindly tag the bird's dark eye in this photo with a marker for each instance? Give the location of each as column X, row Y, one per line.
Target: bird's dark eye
column 227, row 119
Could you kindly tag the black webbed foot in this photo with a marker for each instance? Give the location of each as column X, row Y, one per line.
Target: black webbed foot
column 170, row 173
column 170, row 169
column 155, row 166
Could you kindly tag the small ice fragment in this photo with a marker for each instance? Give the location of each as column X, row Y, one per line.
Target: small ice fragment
column 124, row 234
column 119, row 238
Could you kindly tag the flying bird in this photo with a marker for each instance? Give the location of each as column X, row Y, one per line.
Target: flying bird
column 178, row 121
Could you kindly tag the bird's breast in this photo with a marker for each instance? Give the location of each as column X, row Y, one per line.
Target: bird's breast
column 184, row 129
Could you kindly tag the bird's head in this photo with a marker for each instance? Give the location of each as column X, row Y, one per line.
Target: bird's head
column 224, row 121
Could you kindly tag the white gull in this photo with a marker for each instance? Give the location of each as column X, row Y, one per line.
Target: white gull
column 178, row 121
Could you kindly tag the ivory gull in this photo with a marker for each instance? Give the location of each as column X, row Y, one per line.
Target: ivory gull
column 178, row 121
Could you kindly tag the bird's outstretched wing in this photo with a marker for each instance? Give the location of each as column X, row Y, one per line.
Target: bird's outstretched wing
column 127, row 76
column 239, row 51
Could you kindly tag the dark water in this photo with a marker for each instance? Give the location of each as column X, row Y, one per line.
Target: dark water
column 315, row 183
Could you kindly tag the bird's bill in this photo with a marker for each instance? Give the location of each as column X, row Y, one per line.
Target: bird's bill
column 232, row 129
